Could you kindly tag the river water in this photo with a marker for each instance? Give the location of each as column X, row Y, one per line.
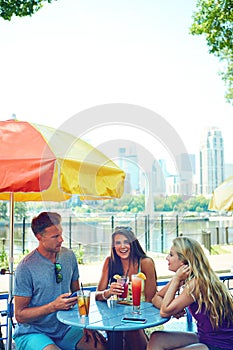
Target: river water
column 93, row 235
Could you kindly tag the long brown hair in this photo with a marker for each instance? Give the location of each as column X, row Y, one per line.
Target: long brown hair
column 136, row 251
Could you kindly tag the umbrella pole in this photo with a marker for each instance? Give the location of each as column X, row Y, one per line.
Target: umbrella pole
column 11, row 267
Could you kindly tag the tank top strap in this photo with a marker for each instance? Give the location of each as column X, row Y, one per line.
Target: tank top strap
column 139, row 265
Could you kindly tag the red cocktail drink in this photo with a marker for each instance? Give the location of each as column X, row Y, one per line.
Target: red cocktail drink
column 124, row 282
column 136, row 293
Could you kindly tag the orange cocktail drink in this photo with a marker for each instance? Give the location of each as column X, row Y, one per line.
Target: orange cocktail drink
column 83, row 299
column 136, row 292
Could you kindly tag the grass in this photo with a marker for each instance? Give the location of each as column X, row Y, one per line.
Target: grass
column 217, row 250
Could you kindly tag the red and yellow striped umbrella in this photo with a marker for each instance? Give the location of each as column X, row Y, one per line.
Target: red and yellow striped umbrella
column 39, row 163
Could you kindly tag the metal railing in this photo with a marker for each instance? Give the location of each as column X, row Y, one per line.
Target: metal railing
column 7, row 313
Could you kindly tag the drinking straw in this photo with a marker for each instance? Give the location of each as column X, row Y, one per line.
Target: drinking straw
column 84, row 300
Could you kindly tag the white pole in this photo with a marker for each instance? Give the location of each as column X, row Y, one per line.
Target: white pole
column 11, row 268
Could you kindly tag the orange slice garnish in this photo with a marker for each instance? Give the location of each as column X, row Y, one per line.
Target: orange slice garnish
column 116, row 276
column 141, row 275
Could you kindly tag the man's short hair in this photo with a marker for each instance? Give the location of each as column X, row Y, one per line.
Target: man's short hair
column 44, row 220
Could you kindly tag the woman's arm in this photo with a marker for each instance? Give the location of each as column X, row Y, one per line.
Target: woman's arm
column 172, row 304
column 158, row 297
column 103, row 292
column 150, row 287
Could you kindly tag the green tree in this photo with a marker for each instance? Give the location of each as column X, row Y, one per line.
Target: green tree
column 194, row 204
column 20, row 8
column 127, row 203
column 169, row 203
column 3, row 210
column 214, row 20
column 159, row 203
column 20, row 210
column 178, row 204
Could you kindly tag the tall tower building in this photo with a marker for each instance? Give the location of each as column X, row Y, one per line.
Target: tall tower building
column 158, row 177
column 128, row 160
column 211, row 160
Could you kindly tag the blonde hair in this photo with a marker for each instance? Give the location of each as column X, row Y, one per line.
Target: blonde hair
column 209, row 290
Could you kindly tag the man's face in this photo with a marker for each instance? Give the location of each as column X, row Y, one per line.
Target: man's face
column 51, row 239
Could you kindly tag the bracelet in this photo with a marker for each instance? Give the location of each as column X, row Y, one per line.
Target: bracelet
column 104, row 297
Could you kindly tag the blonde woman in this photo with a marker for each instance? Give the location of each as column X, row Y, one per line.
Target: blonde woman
column 207, row 298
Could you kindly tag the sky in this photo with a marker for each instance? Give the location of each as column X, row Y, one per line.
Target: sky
column 76, row 55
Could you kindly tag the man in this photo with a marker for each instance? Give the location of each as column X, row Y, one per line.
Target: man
column 43, row 281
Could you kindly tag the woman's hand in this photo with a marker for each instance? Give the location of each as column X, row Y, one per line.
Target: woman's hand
column 183, row 272
column 116, row 288
column 180, row 314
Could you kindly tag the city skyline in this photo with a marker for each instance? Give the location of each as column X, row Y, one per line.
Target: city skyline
column 150, row 143
column 211, row 168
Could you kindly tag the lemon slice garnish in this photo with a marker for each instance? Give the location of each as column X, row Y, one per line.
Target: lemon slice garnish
column 116, row 276
column 141, row 275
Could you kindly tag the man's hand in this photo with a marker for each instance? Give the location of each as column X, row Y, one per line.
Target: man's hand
column 63, row 302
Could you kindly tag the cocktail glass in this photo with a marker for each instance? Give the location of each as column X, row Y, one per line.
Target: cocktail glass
column 124, row 282
column 83, row 302
column 136, row 293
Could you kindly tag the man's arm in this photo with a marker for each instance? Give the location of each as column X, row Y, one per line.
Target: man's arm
column 25, row 314
column 75, row 286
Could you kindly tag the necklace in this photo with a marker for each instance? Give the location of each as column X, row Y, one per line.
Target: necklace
column 127, row 272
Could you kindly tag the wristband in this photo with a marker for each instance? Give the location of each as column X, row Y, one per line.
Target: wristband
column 104, row 297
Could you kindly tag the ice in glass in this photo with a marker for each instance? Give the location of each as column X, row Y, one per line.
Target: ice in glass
column 83, row 300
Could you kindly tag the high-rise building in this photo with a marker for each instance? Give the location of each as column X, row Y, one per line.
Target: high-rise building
column 186, row 162
column 186, row 169
column 211, row 160
column 228, row 170
column 128, row 160
column 158, row 177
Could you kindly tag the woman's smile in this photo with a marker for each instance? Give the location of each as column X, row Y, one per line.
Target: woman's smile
column 122, row 246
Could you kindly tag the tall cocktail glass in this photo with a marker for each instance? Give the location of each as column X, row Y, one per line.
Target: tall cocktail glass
column 124, row 282
column 83, row 302
column 136, row 293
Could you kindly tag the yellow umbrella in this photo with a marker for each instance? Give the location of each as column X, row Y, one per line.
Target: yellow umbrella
column 39, row 163
column 222, row 198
